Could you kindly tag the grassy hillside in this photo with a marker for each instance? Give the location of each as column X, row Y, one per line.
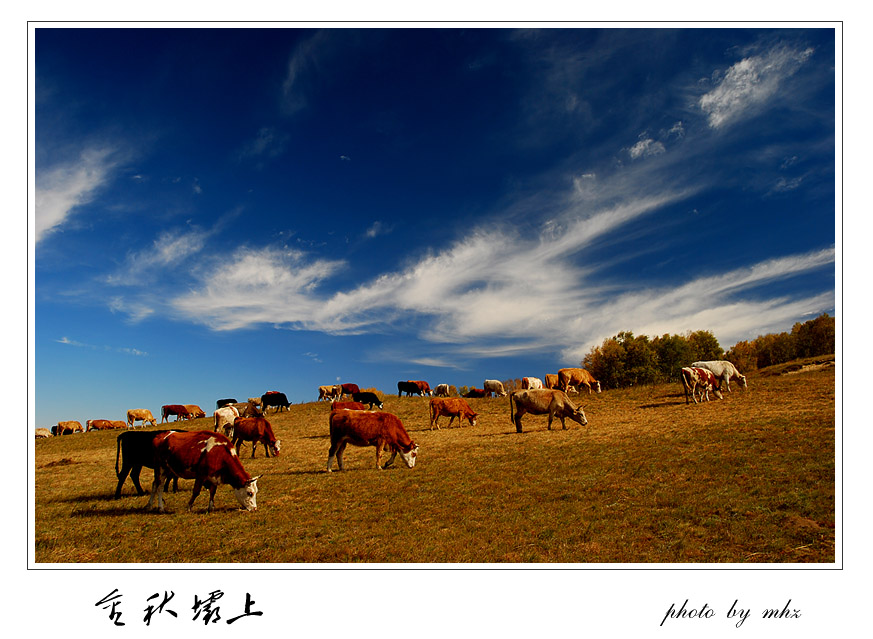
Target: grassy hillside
column 747, row 479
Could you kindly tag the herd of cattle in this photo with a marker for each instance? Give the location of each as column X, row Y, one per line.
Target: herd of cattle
column 211, row 458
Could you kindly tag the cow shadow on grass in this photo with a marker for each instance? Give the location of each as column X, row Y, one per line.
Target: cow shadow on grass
column 669, row 400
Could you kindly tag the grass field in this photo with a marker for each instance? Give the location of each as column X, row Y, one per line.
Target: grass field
column 747, row 479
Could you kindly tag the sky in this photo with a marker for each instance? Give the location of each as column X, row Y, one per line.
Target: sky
column 223, row 211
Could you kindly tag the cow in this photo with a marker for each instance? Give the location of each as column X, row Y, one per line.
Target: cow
column 369, row 428
column 275, row 398
column 223, row 419
column 347, row 406
column 366, row 397
column 194, row 411
column 136, row 450
column 43, row 432
column 451, row 407
column 330, row 393
column 143, row 415
column 699, row 378
column 544, row 401
column 68, row 427
column 348, row 389
column 423, row 387
column 98, row 424
column 258, row 431
column 476, row 392
column 256, row 401
column 209, row 459
column 724, row 371
column 247, row 409
column 224, row 402
column 493, row 386
column 568, row 377
column 441, row 390
column 409, row 388
column 551, row 381
column 174, row 409
column 531, row 383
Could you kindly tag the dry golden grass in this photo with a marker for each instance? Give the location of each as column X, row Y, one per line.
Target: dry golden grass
column 747, row 479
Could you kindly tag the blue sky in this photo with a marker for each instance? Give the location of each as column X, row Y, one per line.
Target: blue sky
column 221, row 212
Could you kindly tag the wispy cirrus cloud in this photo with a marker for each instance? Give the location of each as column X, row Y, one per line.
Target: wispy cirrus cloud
column 168, row 250
column 750, row 83
column 62, row 187
column 125, row 350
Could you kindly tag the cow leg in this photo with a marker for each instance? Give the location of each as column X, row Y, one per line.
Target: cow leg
column 390, row 459
column 198, row 484
column 157, row 490
column 551, row 416
column 125, row 471
column 563, row 424
column 379, row 445
column 212, row 489
column 134, row 477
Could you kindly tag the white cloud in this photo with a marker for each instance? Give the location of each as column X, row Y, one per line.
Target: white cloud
column 170, row 249
column 645, row 148
column 63, row 187
column 750, row 83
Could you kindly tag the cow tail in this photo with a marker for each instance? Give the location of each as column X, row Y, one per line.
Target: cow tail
column 511, row 414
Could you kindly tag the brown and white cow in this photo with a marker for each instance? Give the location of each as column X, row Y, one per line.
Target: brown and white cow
column 347, row 406
column 531, row 383
column 223, row 419
column 699, row 381
column 174, row 409
column 194, row 411
column 104, row 424
column 576, row 377
column 42, row 433
column 494, row 386
column 143, row 415
column 65, row 428
column 544, row 401
column 451, row 407
column 369, row 428
column 209, row 459
column 724, row 372
column 330, row 392
column 256, row 430
column 441, row 390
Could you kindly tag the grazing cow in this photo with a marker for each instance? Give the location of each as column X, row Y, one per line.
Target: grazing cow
column 66, row 428
column 369, row 428
column 247, row 409
column 194, row 411
column 568, row 377
column 544, row 401
column 724, row 371
column 275, row 398
column 423, row 386
column 476, row 392
column 694, row 379
column 531, row 383
column 348, row 389
column 347, row 406
column 209, row 459
column 441, row 390
column 43, row 432
column 409, row 388
column 330, row 393
column 551, row 381
column 493, row 386
column 174, row 409
column 451, row 407
column 97, row 424
column 223, row 419
column 224, row 402
column 254, row 400
column 136, row 450
column 258, row 431
column 366, row 397
column 143, row 415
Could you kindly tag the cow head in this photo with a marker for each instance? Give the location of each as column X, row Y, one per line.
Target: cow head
column 743, row 382
column 247, row 494
column 275, row 447
column 597, row 386
column 578, row 415
column 716, row 392
column 410, row 455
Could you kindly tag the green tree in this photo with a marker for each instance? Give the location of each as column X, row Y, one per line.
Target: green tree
column 815, row 337
column 673, row 353
column 705, row 346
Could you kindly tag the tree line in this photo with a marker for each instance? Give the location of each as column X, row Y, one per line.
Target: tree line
column 630, row 360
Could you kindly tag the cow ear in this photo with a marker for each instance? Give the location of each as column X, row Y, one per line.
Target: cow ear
column 254, row 479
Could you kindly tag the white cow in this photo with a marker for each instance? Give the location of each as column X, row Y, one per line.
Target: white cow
column 531, row 383
column 724, row 372
column 494, row 386
column 224, row 418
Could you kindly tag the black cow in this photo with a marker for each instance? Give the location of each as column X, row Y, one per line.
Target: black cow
column 274, row 398
column 409, row 388
column 136, row 449
column 367, row 397
column 221, row 403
